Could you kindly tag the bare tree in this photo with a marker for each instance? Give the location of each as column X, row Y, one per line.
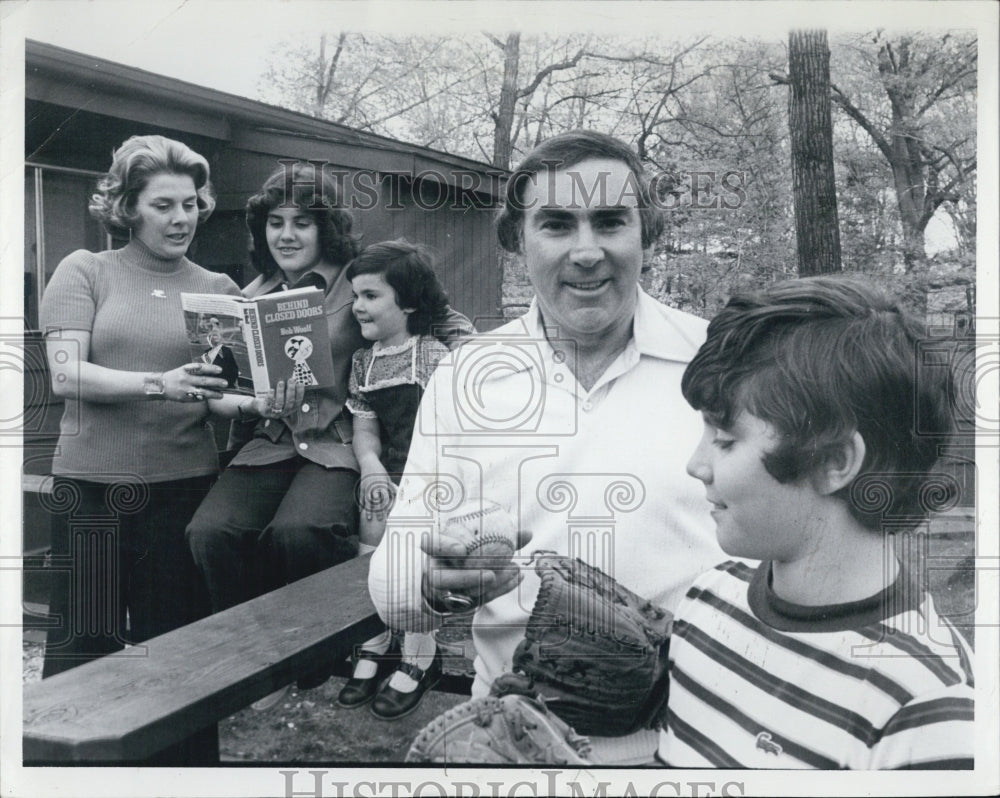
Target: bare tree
column 503, row 117
column 511, row 93
column 655, row 78
column 926, row 83
column 326, row 72
column 699, row 109
column 403, row 87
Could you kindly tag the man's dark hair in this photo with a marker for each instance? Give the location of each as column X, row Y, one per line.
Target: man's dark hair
column 819, row 358
column 562, row 152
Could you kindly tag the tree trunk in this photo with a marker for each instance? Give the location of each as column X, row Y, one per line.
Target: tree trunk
column 814, row 191
column 907, row 161
column 504, row 119
column 325, row 73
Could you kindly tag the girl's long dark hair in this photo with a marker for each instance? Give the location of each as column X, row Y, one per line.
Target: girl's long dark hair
column 304, row 186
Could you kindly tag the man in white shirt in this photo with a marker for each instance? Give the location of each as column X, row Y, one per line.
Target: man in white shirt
column 571, row 417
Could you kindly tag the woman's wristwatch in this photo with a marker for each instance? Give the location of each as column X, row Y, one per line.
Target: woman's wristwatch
column 152, row 385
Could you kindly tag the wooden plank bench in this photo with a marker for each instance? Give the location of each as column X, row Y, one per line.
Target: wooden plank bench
column 129, row 706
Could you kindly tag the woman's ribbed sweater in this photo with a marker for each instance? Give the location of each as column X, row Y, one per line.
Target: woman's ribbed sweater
column 129, row 301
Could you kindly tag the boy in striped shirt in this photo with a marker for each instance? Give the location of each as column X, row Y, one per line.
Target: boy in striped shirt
column 820, row 429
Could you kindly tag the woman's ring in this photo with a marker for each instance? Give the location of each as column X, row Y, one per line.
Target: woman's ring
column 195, row 395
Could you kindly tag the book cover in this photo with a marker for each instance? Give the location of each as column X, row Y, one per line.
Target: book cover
column 214, row 324
column 257, row 342
column 295, row 343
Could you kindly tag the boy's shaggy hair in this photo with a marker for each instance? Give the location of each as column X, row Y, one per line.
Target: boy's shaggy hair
column 819, row 358
column 409, row 271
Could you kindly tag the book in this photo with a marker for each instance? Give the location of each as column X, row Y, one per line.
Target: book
column 259, row 341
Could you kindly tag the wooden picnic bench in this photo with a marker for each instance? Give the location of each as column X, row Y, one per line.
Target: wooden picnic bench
column 139, row 704
column 128, row 706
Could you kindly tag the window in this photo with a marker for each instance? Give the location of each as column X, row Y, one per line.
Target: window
column 56, row 222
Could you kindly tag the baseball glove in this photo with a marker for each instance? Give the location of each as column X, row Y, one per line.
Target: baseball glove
column 511, row 730
column 594, row 651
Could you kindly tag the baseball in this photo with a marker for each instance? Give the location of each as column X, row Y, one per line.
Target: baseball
column 487, row 530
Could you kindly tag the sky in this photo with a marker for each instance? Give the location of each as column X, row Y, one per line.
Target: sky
column 227, row 44
column 214, row 43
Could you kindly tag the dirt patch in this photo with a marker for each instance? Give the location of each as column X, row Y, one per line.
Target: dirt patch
column 308, row 726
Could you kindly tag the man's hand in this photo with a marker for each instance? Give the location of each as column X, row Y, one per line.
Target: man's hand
column 452, row 572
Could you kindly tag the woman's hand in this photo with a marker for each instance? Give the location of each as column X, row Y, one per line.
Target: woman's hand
column 193, row 382
column 75, row 377
column 283, row 401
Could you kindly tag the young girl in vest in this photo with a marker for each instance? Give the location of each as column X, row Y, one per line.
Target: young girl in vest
column 397, row 302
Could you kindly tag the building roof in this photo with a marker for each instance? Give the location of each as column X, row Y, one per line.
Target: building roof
column 76, row 80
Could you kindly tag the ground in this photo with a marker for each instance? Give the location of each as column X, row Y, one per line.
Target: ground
column 308, row 727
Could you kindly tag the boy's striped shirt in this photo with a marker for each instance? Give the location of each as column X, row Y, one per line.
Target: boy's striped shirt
column 758, row 683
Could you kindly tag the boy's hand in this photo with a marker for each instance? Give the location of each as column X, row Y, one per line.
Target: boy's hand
column 602, row 667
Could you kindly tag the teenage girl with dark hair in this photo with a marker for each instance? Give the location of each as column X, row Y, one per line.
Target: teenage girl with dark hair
column 284, row 508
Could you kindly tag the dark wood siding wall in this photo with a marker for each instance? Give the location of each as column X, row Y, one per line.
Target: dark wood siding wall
column 459, row 230
column 458, row 226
